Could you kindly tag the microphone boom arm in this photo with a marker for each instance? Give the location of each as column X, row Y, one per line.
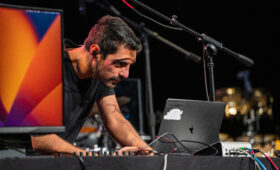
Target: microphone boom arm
column 204, row 38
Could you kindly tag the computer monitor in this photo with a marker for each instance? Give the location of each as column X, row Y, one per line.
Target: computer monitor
column 31, row 70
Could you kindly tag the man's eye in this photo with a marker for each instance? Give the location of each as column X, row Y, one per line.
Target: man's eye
column 121, row 64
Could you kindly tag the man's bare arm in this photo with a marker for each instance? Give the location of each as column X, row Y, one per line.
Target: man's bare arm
column 51, row 143
column 117, row 125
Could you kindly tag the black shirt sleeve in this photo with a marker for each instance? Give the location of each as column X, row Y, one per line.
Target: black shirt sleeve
column 105, row 91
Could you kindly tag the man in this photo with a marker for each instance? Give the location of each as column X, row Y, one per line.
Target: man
column 91, row 71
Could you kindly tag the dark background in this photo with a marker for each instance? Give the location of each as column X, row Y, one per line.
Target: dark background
column 249, row 28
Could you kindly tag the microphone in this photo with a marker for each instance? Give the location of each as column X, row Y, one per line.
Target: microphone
column 245, row 60
column 240, row 57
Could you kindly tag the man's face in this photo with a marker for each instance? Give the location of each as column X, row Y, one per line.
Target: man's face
column 115, row 67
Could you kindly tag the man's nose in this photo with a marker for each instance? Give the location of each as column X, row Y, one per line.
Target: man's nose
column 124, row 72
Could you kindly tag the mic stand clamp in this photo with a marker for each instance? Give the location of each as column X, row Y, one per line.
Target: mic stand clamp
column 174, row 19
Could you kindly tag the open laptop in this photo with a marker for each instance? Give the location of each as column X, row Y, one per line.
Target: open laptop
column 191, row 126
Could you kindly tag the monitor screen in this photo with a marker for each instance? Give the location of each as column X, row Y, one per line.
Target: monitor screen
column 31, row 88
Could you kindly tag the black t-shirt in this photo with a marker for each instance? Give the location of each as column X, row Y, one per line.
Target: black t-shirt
column 79, row 97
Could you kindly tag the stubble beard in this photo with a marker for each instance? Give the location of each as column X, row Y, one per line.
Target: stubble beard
column 106, row 82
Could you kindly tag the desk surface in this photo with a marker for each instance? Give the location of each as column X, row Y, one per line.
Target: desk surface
column 174, row 162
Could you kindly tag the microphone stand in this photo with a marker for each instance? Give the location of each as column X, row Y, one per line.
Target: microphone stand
column 208, row 59
column 148, row 79
column 145, row 33
column 208, row 44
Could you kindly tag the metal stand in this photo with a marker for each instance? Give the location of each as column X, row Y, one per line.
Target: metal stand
column 208, row 51
column 251, row 130
column 208, row 43
column 148, row 87
column 251, row 119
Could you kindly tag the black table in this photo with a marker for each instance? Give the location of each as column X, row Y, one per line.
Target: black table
column 174, row 162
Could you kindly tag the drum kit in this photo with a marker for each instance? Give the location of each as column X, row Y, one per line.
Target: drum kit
column 251, row 114
column 93, row 136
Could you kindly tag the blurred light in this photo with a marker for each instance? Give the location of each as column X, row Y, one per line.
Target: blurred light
column 232, row 111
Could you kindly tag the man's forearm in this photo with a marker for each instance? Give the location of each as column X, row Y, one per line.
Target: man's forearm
column 117, row 125
column 52, row 143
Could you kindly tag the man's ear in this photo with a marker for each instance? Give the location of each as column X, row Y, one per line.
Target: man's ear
column 94, row 50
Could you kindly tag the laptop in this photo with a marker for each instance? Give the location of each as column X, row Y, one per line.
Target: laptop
column 189, row 126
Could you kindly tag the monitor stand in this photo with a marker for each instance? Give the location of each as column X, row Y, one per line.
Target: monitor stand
column 12, row 153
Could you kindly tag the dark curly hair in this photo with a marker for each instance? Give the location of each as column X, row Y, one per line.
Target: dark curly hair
column 111, row 32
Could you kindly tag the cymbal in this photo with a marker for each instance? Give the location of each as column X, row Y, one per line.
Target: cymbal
column 234, row 99
column 260, row 95
column 123, row 100
column 225, row 137
column 228, row 91
column 258, row 138
column 259, row 101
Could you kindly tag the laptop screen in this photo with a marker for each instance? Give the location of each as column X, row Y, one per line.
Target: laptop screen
column 189, row 125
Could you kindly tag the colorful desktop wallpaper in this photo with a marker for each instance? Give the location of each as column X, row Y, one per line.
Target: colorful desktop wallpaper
column 30, row 68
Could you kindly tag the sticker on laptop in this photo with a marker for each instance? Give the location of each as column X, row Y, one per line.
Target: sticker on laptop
column 173, row 114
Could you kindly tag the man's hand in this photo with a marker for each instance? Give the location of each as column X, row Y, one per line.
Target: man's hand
column 136, row 150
